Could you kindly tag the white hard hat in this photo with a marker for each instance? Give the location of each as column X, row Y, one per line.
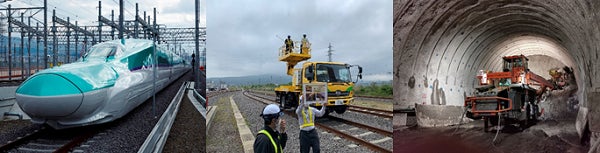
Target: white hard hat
column 271, row 109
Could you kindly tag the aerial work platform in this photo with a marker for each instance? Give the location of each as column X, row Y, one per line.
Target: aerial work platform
column 294, row 56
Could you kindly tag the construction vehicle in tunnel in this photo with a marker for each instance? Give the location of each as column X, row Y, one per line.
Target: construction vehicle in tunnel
column 511, row 96
column 336, row 75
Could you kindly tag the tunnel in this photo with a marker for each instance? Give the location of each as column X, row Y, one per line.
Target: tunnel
column 439, row 47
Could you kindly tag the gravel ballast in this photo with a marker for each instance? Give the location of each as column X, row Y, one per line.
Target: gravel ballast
column 128, row 133
column 188, row 131
column 251, row 110
column 11, row 130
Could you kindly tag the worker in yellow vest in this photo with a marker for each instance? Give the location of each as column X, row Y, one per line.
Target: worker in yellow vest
column 306, row 119
column 269, row 140
column 304, row 45
column 289, row 45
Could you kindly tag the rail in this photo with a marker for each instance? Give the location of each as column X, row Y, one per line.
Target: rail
column 21, row 140
column 372, row 111
column 365, row 143
column 157, row 138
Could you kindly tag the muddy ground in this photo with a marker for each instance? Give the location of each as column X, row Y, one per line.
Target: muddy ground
column 549, row 136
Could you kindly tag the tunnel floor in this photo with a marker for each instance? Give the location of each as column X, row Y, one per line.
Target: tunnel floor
column 550, row 136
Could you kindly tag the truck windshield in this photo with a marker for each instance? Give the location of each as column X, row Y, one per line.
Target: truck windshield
column 101, row 51
column 333, row 73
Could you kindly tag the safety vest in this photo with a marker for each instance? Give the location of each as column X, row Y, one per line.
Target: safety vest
column 308, row 120
column 304, row 42
column 277, row 148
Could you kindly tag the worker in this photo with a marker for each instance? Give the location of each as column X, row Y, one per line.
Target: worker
column 304, row 45
column 193, row 62
column 306, row 119
column 289, row 45
column 269, row 140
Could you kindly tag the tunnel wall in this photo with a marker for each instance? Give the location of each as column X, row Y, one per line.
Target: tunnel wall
column 440, row 46
column 540, row 64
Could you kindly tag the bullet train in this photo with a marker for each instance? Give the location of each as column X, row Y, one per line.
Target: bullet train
column 109, row 81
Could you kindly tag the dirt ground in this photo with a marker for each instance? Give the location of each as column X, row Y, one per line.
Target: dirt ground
column 546, row 136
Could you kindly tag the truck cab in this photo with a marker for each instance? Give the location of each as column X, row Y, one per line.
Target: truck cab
column 337, row 77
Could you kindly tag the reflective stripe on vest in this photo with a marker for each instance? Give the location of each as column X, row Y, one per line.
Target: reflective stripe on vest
column 272, row 141
column 310, row 121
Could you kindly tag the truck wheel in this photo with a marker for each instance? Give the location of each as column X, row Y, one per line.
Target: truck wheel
column 536, row 113
column 290, row 102
column 493, row 120
column 282, row 101
column 525, row 123
column 327, row 112
column 486, row 125
column 340, row 109
column 293, row 101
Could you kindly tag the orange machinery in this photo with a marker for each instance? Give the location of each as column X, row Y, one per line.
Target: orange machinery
column 511, row 95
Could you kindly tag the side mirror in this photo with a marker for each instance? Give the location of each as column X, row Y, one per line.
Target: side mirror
column 309, row 74
column 359, row 73
column 310, row 78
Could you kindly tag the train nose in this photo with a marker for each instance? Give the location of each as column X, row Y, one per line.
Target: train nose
column 49, row 95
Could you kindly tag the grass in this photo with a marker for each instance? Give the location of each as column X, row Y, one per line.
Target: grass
column 376, row 90
column 224, row 122
column 357, row 102
column 373, row 104
column 373, row 89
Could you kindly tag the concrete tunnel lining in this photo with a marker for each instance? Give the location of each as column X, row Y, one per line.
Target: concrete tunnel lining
column 445, row 44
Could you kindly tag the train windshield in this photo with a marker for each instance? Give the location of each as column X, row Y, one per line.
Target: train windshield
column 101, row 51
column 333, row 73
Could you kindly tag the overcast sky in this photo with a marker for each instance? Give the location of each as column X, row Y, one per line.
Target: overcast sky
column 173, row 13
column 243, row 36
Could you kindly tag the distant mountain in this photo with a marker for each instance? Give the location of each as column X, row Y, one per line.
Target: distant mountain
column 248, row 80
column 280, row 79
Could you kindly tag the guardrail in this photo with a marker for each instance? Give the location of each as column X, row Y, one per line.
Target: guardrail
column 157, row 138
column 197, row 100
column 7, row 98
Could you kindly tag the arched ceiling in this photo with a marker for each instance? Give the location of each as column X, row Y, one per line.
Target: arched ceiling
column 448, row 42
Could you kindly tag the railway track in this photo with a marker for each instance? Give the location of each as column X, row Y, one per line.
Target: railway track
column 374, row 97
column 359, row 109
column 356, row 96
column 372, row 111
column 215, row 93
column 329, row 123
column 49, row 140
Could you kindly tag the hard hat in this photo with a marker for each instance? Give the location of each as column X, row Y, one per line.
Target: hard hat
column 271, row 110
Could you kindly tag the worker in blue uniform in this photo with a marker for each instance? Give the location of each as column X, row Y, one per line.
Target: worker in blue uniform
column 269, row 140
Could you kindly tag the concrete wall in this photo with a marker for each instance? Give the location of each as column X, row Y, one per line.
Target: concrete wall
column 540, row 64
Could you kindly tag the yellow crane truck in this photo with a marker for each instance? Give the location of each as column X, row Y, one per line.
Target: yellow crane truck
column 335, row 74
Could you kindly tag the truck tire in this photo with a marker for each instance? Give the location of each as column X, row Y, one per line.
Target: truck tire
column 340, row 109
column 289, row 100
column 283, row 101
column 327, row 112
